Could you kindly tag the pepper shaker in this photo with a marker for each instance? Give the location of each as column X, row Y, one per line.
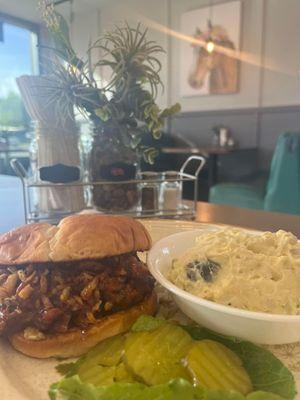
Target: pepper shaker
column 149, row 192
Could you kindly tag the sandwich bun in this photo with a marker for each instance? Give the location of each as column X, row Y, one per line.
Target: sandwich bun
column 75, row 343
column 78, row 237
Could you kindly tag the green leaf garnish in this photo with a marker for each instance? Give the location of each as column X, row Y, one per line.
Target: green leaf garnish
column 65, row 368
column 178, row 389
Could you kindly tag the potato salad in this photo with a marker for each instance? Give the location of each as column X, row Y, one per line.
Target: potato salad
column 256, row 272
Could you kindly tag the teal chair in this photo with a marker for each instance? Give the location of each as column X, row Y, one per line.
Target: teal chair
column 282, row 191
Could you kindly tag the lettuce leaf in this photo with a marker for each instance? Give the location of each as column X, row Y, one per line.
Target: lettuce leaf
column 179, row 389
column 73, row 389
column 66, row 369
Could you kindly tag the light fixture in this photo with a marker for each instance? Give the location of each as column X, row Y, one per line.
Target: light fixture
column 210, row 46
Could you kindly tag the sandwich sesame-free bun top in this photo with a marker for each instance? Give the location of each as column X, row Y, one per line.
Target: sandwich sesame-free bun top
column 78, row 237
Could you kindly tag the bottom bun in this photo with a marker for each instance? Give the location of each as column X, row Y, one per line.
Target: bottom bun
column 77, row 342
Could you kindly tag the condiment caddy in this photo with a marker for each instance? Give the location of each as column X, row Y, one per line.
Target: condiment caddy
column 160, row 193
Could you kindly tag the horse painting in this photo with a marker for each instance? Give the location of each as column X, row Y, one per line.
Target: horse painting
column 213, row 64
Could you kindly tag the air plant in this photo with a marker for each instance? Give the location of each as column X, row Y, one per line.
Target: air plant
column 125, row 107
column 131, row 58
column 70, row 87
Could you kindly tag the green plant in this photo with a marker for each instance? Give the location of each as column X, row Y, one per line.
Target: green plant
column 12, row 111
column 125, row 109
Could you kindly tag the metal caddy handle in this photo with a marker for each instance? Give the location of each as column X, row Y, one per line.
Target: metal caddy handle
column 202, row 162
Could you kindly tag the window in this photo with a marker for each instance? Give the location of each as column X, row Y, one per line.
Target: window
column 18, row 56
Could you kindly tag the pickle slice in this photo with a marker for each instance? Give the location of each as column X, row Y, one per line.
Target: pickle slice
column 98, row 366
column 106, row 353
column 214, row 366
column 101, row 376
column 97, row 375
column 122, row 374
column 155, row 356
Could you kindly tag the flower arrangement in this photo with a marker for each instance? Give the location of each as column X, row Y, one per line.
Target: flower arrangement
column 125, row 109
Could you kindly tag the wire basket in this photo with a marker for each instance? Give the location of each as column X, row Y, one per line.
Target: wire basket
column 30, row 187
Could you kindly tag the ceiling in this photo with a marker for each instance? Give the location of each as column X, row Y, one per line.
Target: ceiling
column 27, row 9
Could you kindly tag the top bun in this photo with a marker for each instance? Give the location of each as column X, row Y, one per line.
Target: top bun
column 78, row 237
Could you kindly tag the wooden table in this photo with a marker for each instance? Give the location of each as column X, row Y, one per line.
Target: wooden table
column 254, row 219
column 211, row 153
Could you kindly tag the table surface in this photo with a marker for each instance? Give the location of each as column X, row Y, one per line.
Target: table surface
column 253, row 219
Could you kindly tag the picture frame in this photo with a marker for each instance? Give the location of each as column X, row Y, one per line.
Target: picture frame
column 209, row 57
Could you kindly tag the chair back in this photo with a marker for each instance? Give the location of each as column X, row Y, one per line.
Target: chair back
column 283, row 189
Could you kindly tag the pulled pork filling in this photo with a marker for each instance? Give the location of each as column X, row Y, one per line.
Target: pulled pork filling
column 62, row 296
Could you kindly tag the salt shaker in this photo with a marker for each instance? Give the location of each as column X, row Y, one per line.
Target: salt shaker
column 171, row 191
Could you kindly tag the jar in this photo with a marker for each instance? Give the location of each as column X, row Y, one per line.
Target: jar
column 111, row 164
column 56, row 160
column 171, row 191
column 149, row 192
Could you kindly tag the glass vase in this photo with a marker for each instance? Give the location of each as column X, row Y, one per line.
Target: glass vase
column 111, row 164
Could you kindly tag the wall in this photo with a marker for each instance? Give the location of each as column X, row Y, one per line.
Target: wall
column 281, row 84
column 270, row 32
column 159, row 14
column 83, row 20
column 269, row 37
column 25, row 9
column 251, row 127
column 149, row 13
column 251, row 41
column 90, row 21
column 270, row 29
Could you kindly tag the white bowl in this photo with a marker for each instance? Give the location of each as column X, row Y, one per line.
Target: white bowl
column 257, row 327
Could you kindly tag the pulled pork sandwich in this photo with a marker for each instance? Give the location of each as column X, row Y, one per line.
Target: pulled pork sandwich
column 65, row 288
